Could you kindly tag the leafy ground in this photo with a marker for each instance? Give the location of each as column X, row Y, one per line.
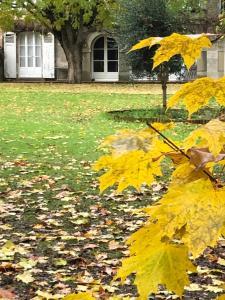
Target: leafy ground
column 58, row 235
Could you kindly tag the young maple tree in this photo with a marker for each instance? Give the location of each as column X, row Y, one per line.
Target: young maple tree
column 191, row 216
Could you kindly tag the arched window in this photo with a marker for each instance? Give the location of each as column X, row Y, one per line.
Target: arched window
column 105, row 59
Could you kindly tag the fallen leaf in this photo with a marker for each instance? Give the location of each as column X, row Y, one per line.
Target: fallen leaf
column 25, row 277
column 7, row 294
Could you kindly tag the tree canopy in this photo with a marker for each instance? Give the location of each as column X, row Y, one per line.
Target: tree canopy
column 70, row 22
column 139, row 19
column 196, row 16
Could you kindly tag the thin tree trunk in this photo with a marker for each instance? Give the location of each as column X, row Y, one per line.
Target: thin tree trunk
column 164, row 76
column 164, row 89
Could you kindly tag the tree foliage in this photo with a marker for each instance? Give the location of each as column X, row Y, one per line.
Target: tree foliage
column 70, row 22
column 196, row 15
column 202, row 90
column 138, row 20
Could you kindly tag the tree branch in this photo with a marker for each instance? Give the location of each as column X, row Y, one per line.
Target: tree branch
column 174, row 146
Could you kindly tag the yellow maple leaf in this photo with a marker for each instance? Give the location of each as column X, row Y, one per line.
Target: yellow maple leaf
column 189, row 47
column 198, row 93
column 79, row 296
column 133, row 168
column 27, row 263
column 153, row 263
column 149, row 42
column 221, row 297
column 197, row 206
column 25, row 277
column 185, row 173
column 211, row 136
column 127, row 140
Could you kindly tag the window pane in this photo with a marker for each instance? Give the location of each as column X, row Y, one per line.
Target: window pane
column 111, row 43
column 22, row 39
column 112, row 54
column 98, row 66
column 22, row 62
column 38, row 39
column 37, row 51
column 98, row 54
column 112, row 66
column 30, row 38
column 99, row 43
column 30, row 62
column 22, row 51
column 30, row 51
column 38, row 62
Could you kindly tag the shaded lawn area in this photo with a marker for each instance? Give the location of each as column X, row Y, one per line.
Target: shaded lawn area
column 66, row 237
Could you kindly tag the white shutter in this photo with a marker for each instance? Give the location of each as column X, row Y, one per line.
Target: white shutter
column 48, row 52
column 10, row 55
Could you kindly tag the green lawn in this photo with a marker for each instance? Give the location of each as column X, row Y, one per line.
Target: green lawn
column 45, row 126
column 58, row 129
column 49, row 199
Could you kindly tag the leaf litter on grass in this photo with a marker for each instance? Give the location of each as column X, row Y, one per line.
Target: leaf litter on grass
column 56, row 240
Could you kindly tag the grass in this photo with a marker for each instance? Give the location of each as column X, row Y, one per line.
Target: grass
column 44, row 125
column 59, row 127
column 56, row 125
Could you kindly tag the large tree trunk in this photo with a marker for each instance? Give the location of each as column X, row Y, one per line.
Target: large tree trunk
column 72, row 41
column 74, row 59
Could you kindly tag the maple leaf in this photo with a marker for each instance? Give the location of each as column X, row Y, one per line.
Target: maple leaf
column 197, row 94
column 149, row 42
column 198, row 207
column 153, row 263
column 79, row 296
column 210, row 136
column 128, row 140
column 189, row 47
column 221, row 297
column 133, row 168
column 9, row 249
column 185, row 173
column 7, row 294
column 48, row 296
column 25, row 277
column 27, row 263
column 201, row 156
column 223, row 230
column 135, row 160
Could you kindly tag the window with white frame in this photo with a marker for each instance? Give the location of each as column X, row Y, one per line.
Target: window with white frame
column 30, row 50
column 105, row 55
